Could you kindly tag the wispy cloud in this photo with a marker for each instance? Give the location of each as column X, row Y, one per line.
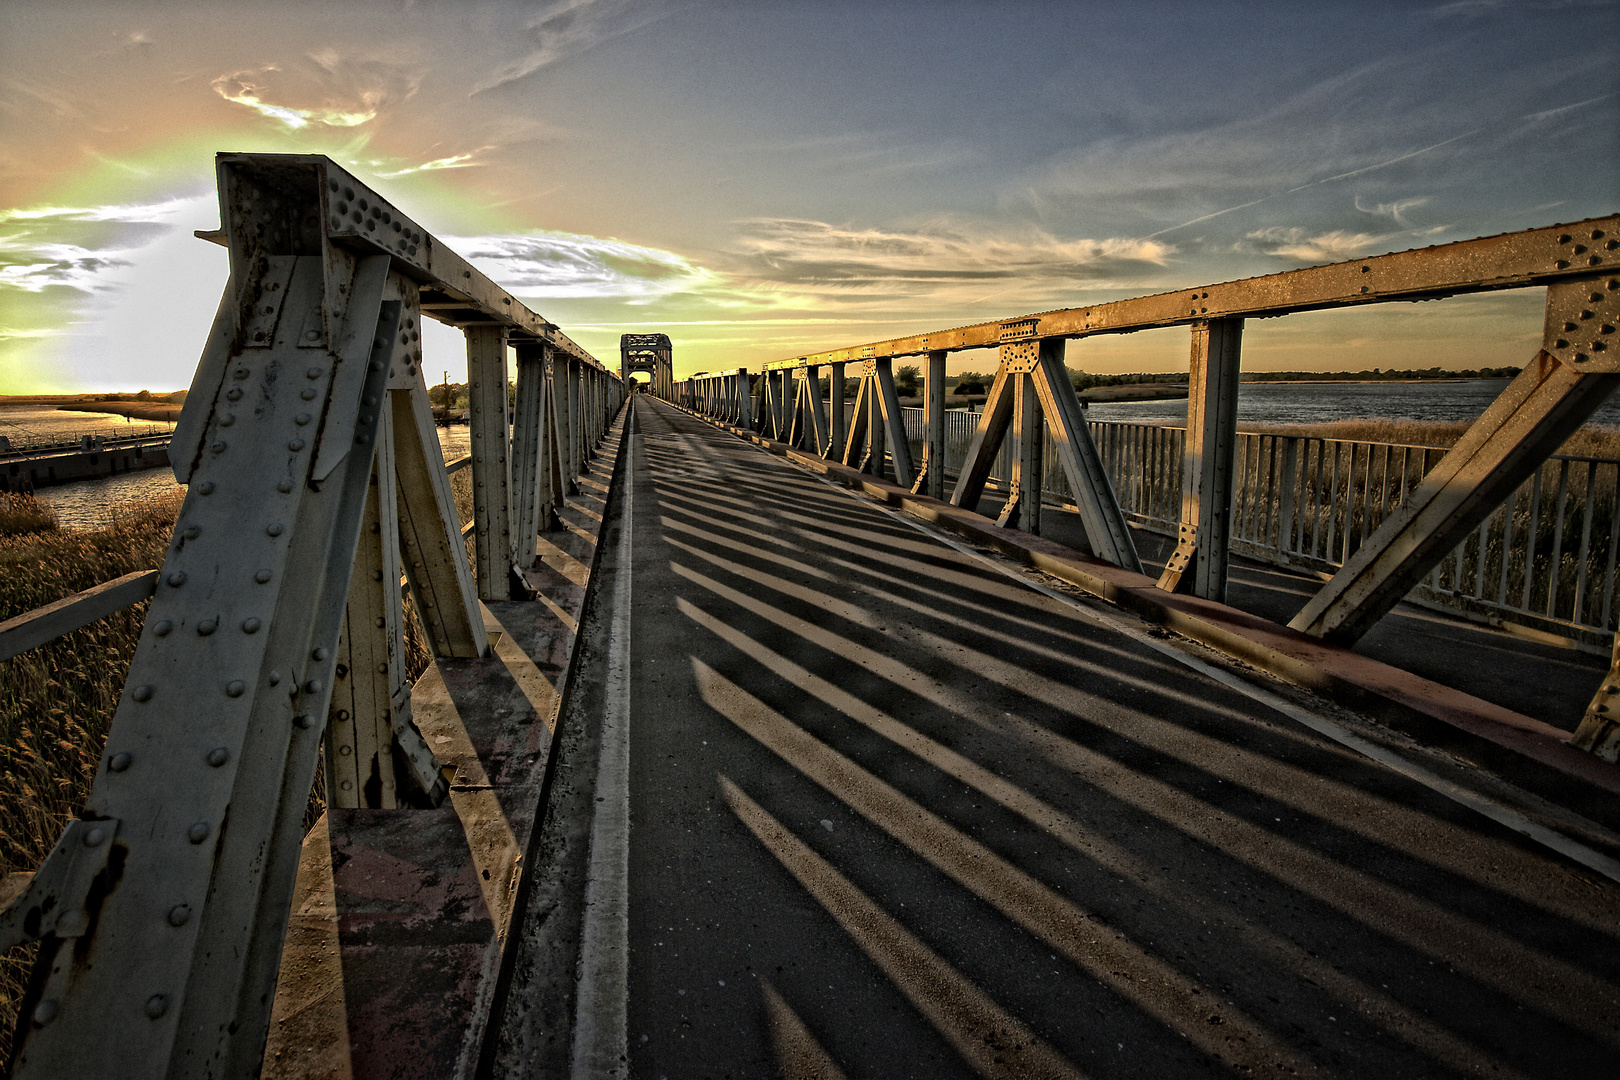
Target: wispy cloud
column 326, row 87
column 944, row 260
column 555, row 264
column 1295, row 243
column 567, row 27
column 454, row 161
column 85, row 248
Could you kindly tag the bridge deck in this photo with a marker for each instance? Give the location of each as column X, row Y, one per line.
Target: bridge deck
column 869, row 805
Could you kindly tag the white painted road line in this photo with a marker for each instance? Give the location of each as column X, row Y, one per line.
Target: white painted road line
column 601, row 1004
column 1502, row 815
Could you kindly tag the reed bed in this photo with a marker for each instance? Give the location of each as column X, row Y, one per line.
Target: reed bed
column 57, row 701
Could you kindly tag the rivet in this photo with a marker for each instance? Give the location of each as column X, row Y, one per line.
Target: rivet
column 1594, row 260
column 348, row 193
column 285, row 487
column 345, row 751
column 163, row 627
column 313, row 686
column 180, row 914
column 207, row 626
column 142, row 692
column 1561, row 344
column 1565, row 238
column 191, row 532
column 274, row 678
column 177, row 579
column 217, row 446
column 199, row 832
column 157, row 1005
column 1597, row 298
column 72, row 923
column 95, row 836
column 234, row 394
column 337, row 223
column 303, row 720
column 242, row 372
column 301, row 419
column 273, row 529
column 206, row 487
column 218, row 756
column 315, row 372
column 362, row 438
column 120, row 761
column 1587, row 314
column 321, row 653
column 1561, row 264
column 227, row 420
column 312, row 335
column 250, row 626
column 295, row 445
column 236, row 688
column 370, row 399
column 262, row 577
column 347, row 785
column 46, row 1011
column 308, row 393
column 1570, row 326
column 375, row 365
column 365, row 418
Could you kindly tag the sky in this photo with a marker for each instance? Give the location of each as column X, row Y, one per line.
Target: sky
column 761, row 180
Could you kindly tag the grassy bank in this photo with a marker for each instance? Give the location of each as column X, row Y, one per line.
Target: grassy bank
column 57, row 701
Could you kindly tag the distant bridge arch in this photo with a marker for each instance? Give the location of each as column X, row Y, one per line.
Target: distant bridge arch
column 651, row 353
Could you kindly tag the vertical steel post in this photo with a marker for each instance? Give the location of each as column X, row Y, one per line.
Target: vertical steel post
column 1022, row 509
column 492, row 497
column 931, row 481
column 1208, row 462
column 529, row 487
column 836, row 434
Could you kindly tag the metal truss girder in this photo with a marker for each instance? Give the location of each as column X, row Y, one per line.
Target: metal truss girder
column 370, row 670
column 208, row 763
column 1512, row 260
column 1531, row 418
column 491, row 467
column 987, row 436
column 894, row 421
column 335, row 211
column 1198, row 564
column 855, row 441
column 1022, row 510
column 931, row 476
column 430, row 532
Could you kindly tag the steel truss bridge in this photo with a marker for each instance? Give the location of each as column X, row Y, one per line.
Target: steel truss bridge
column 752, row 742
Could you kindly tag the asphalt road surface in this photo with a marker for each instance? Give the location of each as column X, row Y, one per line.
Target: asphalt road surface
column 842, row 800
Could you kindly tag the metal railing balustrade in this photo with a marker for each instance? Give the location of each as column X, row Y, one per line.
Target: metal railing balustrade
column 1384, row 522
column 316, row 493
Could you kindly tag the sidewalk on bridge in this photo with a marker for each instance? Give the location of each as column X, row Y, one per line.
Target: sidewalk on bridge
column 1496, row 701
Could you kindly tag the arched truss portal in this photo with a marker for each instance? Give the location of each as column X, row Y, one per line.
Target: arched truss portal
column 650, row 353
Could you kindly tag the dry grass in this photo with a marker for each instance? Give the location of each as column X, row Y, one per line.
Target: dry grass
column 1589, row 441
column 24, row 514
column 57, row 701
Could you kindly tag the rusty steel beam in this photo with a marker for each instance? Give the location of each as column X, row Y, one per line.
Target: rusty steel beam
column 1554, row 395
column 1509, row 261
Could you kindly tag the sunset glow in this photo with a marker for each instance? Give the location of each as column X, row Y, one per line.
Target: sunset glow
column 760, row 180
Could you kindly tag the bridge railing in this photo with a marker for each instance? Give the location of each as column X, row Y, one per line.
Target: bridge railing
column 1546, row 558
column 1379, row 557
column 316, row 491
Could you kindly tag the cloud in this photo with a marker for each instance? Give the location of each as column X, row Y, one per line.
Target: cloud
column 86, row 248
column 941, row 260
column 454, row 161
column 556, row 264
column 568, row 27
column 1328, row 247
column 326, row 87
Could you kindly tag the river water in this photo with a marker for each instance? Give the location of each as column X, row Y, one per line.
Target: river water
column 84, row 504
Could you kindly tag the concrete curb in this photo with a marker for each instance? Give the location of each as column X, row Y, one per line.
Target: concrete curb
column 1530, row 753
